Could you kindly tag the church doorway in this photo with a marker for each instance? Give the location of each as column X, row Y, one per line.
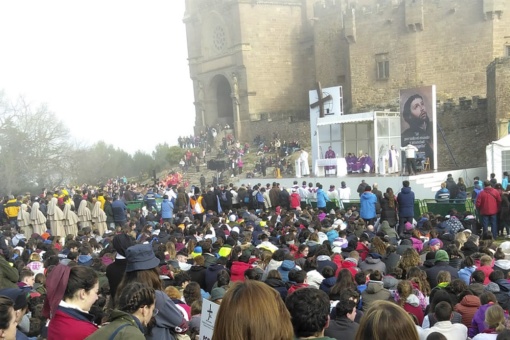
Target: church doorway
column 224, row 108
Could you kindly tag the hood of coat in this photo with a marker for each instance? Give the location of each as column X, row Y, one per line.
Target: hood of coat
column 503, row 264
column 413, row 300
column 405, row 190
column 371, row 260
column 275, row 283
column 389, row 282
column 374, row 287
column 470, row 301
column 504, row 285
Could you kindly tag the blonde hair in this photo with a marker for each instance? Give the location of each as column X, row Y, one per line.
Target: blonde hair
column 461, row 238
column 404, row 289
column 260, row 314
column 173, row 293
column 495, row 318
column 485, row 260
column 444, row 276
column 385, row 320
column 170, row 249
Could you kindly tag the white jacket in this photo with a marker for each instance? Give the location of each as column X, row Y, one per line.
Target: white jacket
column 455, row 331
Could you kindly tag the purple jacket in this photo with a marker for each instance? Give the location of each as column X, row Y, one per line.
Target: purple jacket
column 478, row 325
column 417, row 244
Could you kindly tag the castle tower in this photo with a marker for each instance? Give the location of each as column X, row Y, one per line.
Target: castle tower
column 249, row 61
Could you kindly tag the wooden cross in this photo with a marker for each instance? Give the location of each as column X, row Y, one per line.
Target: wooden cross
column 320, row 102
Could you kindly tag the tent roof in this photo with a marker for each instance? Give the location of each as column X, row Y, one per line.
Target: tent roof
column 505, row 141
column 344, row 119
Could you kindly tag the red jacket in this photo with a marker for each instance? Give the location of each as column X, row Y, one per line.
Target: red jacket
column 296, row 286
column 70, row 324
column 295, row 200
column 350, row 266
column 488, row 201
column 363, row 250
column 487, row 270
column 237, row 270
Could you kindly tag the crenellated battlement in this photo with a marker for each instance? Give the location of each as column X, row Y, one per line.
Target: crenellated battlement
column 462, row 103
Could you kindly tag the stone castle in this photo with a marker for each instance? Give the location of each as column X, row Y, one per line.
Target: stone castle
column 253, row 62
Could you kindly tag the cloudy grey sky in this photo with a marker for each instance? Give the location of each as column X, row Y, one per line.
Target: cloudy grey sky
column 112, row 70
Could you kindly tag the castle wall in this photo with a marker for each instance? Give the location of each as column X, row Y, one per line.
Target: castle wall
column 448, row 43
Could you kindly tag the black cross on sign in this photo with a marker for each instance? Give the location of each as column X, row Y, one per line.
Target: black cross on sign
column 320, row 102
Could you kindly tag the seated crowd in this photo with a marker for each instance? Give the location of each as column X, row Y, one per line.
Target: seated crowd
column 280, row 273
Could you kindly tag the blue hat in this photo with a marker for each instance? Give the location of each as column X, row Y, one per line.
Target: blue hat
column 140, row 257
column 18, row 296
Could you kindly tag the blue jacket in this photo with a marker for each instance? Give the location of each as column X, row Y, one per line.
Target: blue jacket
column 322, row 198
column 167, row 208
column 405, row 200
column 368, row 202
column 465, row 274
column 504, row 182
column 443, row 195
column 119, row 211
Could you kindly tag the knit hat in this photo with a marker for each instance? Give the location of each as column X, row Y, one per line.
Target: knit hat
column 409, row 226
column 441, row 256
column 217, row 293
column 434, row 242
column 197, row 251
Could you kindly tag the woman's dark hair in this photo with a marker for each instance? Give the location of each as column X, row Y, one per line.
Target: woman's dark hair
column 223, row 278
column 468, row 262
column 148, row 277
column 191, row 293
column 252, row 274
column 80, row 277
column 134, row 296
column 5, row 316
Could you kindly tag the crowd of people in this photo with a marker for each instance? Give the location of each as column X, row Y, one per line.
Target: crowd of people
column 75, row 263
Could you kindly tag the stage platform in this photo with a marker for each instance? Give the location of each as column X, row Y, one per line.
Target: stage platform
column 424, row 184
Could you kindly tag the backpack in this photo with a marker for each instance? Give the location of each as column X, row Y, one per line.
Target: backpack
column 223, row 196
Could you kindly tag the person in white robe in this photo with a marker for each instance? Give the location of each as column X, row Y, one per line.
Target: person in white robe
column 393, row 159
column 24, row 222
column 84, row 215
column 303, row 162
column 99, row 218
column 345, row 194
column 56, row 218
column 38, row 219
column 70, row 220
column 383, row 158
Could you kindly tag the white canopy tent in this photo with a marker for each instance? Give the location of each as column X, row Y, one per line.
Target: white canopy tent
column 373, row 132
column 498, row 156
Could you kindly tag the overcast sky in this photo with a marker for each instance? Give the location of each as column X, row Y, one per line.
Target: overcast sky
column 112, row 70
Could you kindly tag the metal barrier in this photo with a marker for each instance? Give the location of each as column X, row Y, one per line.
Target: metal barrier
column 134, row 205
column 423, row 206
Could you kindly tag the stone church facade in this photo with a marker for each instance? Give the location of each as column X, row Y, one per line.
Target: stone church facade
column 253, row 61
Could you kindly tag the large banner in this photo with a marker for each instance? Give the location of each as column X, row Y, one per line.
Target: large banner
column 418, row 121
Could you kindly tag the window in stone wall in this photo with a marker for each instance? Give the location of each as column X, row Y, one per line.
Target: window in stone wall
column 505, row 160
column 383, row 66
